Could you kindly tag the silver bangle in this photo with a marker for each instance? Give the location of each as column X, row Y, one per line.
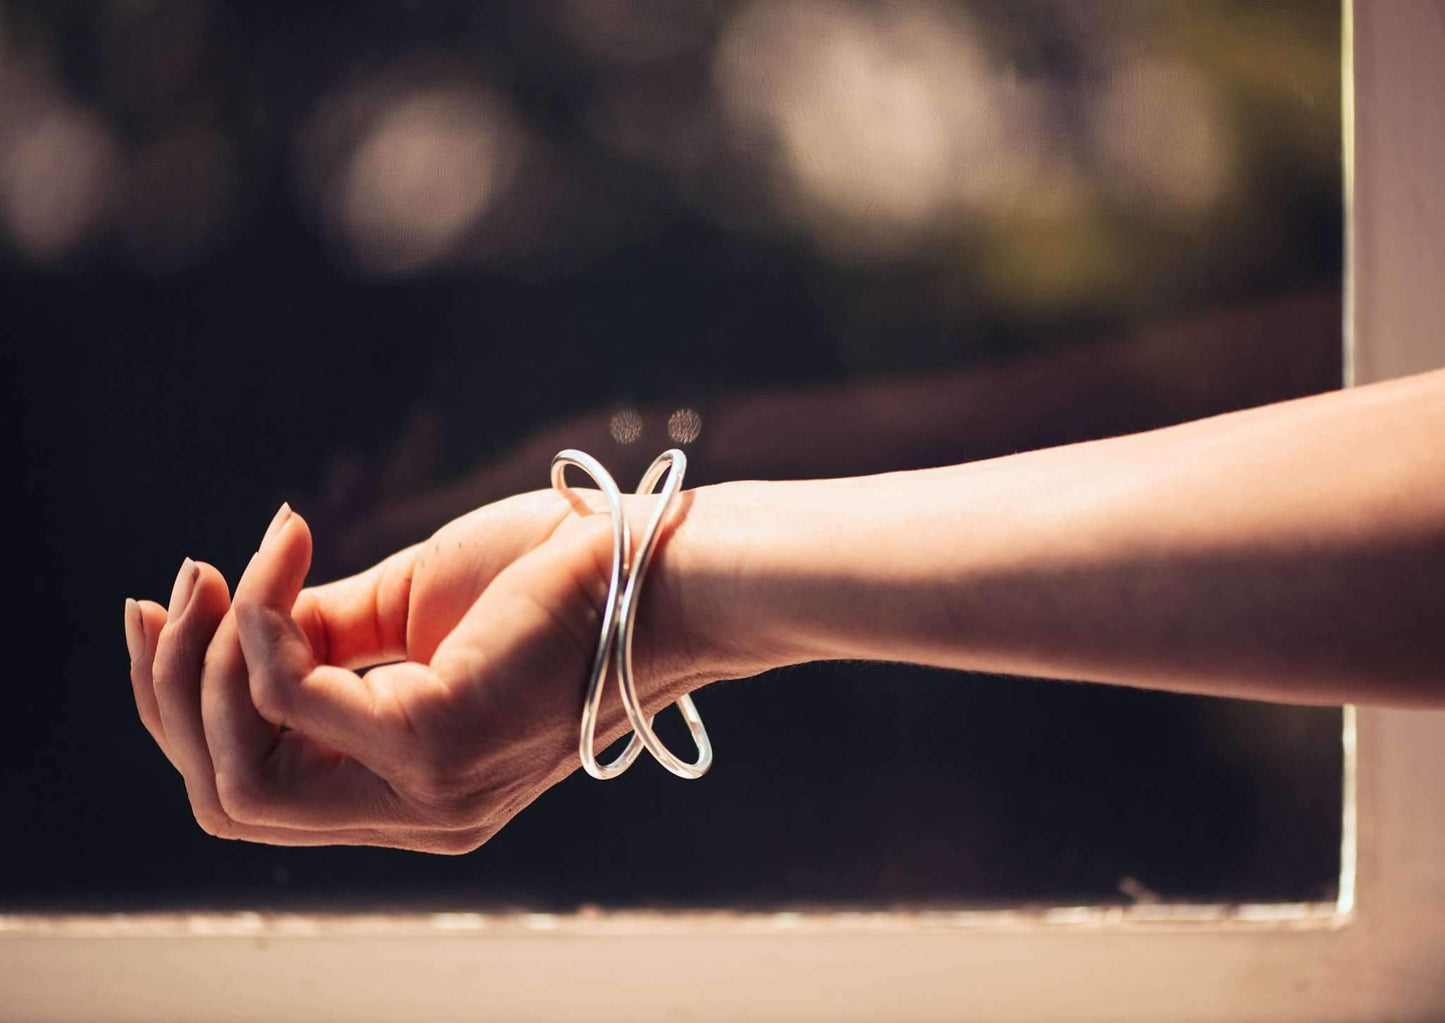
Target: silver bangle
column 619, row 617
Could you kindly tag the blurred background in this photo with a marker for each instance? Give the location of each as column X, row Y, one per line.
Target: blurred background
column 383, row 259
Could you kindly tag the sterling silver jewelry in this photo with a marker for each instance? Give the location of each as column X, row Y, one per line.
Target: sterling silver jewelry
column 619, row 617
column 621, row 544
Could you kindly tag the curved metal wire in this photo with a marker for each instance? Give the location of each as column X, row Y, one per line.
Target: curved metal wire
column 674, row 463
column 619, row 618
column 621, row 545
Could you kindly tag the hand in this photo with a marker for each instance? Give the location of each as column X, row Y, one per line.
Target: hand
column 491, row 625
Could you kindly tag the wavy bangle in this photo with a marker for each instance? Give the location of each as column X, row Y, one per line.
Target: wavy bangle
column 619, row 618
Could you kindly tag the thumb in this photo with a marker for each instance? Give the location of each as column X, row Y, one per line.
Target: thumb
column 326, row 703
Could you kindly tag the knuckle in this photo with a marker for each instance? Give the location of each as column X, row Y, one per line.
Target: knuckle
column 163, row 676
column 241, row 795
column 215, row 823
column 246, row 608
column 151, row 720
column 449, row 798
column 270, row 697
column 251, row 618
column 434, row 779
column 213, row 660
column 457, row 843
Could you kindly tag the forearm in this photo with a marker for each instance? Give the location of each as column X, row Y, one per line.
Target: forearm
column 1293, row 552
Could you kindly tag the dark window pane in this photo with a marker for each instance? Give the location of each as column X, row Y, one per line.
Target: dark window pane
column 383, row 260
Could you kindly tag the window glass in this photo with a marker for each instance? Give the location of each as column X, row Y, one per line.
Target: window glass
column 385, row 260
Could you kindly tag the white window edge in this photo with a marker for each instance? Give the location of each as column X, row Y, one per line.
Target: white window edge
column 1376, row 953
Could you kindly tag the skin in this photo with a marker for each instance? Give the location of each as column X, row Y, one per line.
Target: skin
column 1292, row 553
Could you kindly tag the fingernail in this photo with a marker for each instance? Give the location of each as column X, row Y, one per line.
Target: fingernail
column 282, row 514
column 181, row 592
column 135, row 633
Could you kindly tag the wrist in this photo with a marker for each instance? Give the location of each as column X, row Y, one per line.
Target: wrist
column 765, row 574
column 707, row 610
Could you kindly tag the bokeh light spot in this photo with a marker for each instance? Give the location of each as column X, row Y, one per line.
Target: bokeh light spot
column 683, row 426
column 1163, row 135
column 57, row 177
column 882, row 119
column 625, row 426
column 404, row 173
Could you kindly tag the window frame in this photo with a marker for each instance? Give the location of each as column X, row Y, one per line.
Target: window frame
column 1372, row 955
